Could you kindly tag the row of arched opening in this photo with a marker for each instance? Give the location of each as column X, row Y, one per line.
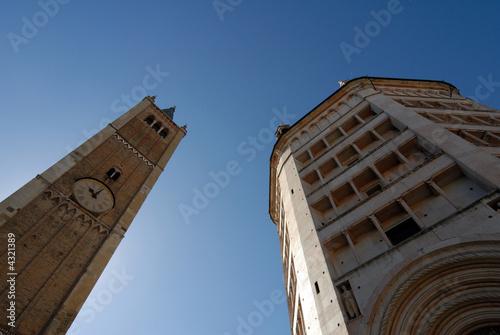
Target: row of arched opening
column 416, row 92
column 156, row 126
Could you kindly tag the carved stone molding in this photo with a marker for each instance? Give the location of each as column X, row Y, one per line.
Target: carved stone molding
column 134, row 150
column 438, row 294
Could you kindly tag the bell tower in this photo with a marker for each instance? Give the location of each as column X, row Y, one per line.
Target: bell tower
column 59, row 231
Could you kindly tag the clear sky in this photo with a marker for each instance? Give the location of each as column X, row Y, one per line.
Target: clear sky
column 232, row 68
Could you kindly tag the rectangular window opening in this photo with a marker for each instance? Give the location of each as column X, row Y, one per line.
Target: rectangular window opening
column 402, row 231
column 316, row 286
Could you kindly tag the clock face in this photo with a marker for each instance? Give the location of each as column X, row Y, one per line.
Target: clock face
column 93, row 195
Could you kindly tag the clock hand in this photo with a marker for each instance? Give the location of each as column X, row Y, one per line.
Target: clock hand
column 92, row 191
column 98, row 192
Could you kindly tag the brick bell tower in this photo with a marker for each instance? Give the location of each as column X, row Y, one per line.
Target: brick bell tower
column 63, row 226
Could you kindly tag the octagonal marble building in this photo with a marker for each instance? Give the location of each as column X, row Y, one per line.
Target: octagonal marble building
column 387, row 206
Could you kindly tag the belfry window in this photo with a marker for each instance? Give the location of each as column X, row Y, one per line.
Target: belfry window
column 156, row 127
column 149, row 120
column 113, row 174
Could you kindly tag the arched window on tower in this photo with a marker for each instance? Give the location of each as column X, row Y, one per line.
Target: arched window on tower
column 149, row 120
column 156, row 127
column 114, row 174
column 164, row 133
column 111, row 172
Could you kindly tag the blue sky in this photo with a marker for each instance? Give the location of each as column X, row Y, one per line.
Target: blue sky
column 232, row 68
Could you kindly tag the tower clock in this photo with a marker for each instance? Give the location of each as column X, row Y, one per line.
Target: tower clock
column 93, row 195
